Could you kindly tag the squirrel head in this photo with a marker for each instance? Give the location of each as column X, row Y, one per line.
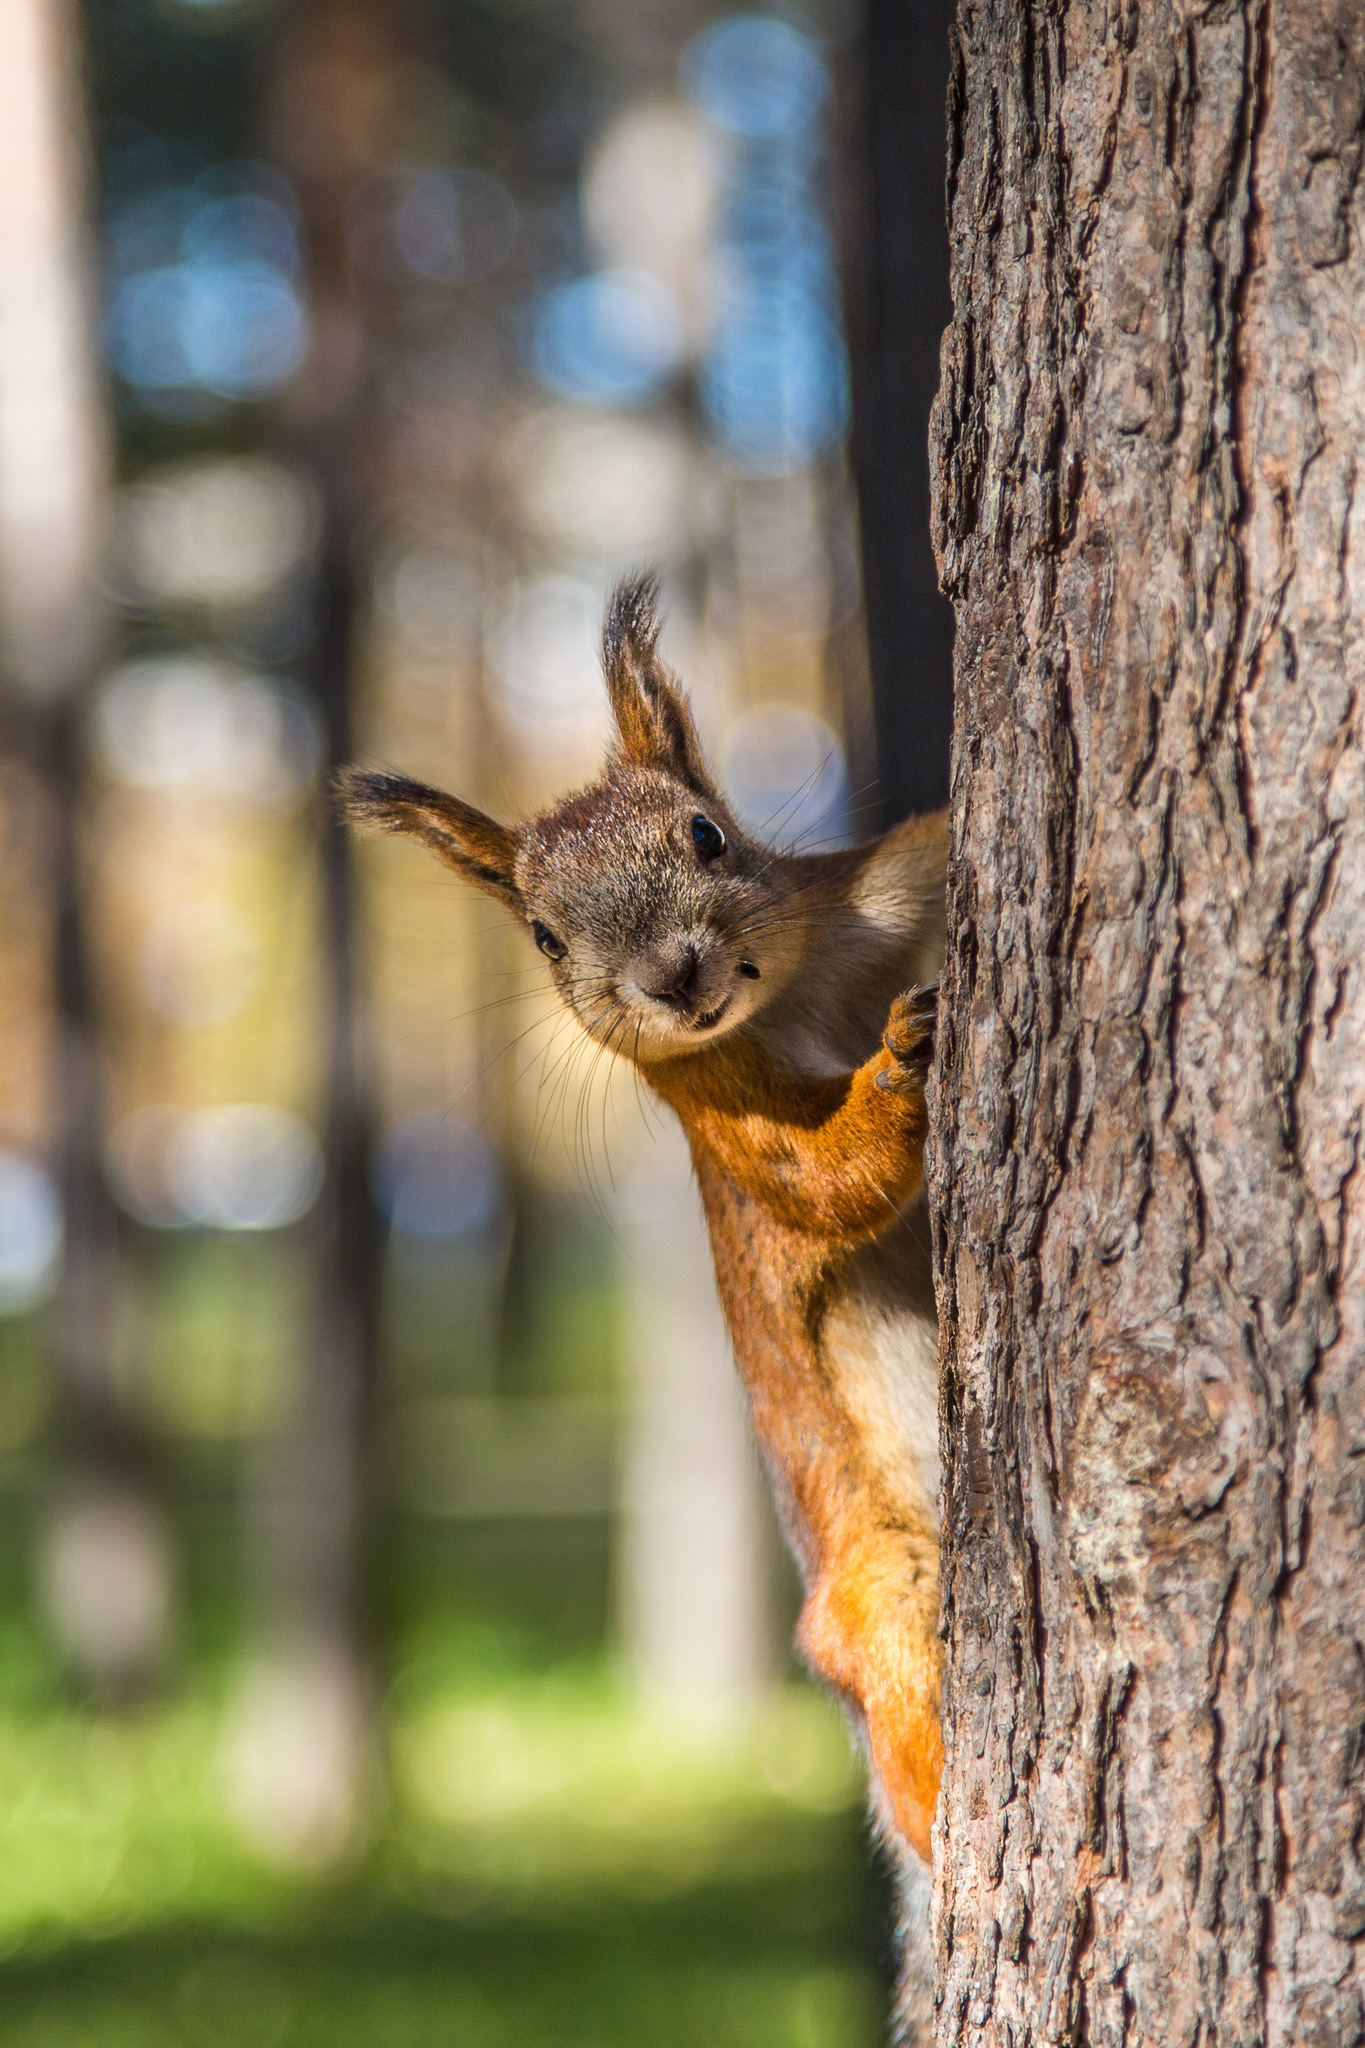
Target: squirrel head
column 662, row 921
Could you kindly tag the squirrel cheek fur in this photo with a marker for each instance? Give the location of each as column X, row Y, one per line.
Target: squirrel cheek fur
column 777, row 1003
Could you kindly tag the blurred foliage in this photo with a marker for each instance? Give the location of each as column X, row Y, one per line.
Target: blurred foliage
column 25, row 1389
column 553, row 1865
column 220, row 1322
column 556, row 1868
column 563, row 1306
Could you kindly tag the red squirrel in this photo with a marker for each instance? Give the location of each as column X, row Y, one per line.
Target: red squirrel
column 777, row 1003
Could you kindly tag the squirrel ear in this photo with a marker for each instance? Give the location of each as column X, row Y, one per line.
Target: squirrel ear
column 476, row 846
column 652, row 716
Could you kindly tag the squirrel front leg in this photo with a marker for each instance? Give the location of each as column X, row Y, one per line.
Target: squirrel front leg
column 838, row 1157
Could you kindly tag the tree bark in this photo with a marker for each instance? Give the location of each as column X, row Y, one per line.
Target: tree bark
column 1151, row 1082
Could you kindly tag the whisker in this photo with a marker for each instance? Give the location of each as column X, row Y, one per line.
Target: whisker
column 796, row 794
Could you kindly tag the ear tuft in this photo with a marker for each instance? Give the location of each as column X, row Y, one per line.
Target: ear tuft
column 476, row 846
column 632, row 628
column 372, row 798
column 653, row 722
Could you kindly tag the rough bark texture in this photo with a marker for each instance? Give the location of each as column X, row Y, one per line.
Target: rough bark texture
column 1149, row 1102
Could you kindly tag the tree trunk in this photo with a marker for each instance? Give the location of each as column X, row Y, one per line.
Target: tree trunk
column 898, row 306
column 1151, row 1085
column 333, row 90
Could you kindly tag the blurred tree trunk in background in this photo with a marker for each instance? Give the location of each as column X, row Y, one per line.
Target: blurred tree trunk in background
column 308, row 1745
column 104, row 1553
column 695, row 1565
column 898, row 307
column 1151, row 1082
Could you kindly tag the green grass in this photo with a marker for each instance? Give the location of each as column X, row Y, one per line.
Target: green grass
column 387, row 1980
column 554, row 1868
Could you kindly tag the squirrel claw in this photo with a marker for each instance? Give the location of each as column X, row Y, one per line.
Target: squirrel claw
column 909, row 1038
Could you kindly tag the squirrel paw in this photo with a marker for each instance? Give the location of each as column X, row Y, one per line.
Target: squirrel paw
column 909, row 1038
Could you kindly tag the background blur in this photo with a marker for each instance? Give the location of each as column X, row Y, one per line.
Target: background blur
column 392, row 1624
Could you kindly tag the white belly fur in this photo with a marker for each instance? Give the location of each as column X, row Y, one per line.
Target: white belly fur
column 884, row 1358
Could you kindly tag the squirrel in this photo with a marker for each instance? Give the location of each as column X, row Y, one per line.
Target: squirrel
column 781, row 1005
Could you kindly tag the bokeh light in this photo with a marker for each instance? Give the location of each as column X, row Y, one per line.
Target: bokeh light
column 757, row 77
column 649, row 194
column 202, row 290
column 613, row 337
column 244, row 1166
column 30, row 1234
column 545, row 681
column 436, row 1177
column 215, row 532
column 455, row 226
column 605, row 486
column 400, row 1475
column 193, row 722
column 784, row 769
column 774, row 379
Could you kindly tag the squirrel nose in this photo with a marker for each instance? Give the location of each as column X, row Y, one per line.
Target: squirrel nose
column 675, row 976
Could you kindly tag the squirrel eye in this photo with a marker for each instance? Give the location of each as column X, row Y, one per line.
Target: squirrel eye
column 549, row 945
column 708, row 839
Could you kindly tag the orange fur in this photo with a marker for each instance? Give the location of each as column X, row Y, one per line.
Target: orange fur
column 869, row 1625
column 838, row 1154
column 768, row 1000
